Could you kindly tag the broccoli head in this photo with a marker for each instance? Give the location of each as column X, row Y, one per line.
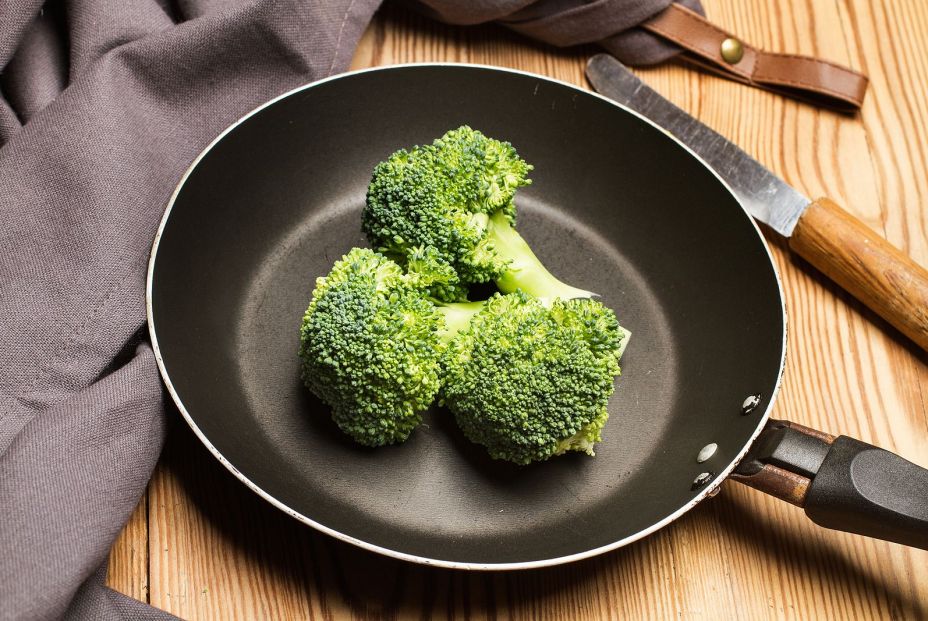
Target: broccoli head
column 456, row 196
column 530, row 380
column 371, row 341
column 484, row 173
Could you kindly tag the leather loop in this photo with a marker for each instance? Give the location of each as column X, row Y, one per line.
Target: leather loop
column 803, row 77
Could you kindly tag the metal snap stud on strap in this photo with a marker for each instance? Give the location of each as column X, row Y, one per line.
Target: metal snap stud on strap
column 732, row 51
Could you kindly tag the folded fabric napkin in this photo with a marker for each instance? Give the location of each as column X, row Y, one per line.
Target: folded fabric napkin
column 103, row 105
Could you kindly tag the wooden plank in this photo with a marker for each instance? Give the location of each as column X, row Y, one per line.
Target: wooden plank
column 127, row 570
column 219, row 552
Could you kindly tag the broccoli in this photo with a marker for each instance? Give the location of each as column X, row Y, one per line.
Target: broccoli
column 456, row 196
column 527, row 373
column 371, row 341
column 530, row 380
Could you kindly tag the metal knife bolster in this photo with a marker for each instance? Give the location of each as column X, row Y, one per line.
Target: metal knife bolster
column 764, row 195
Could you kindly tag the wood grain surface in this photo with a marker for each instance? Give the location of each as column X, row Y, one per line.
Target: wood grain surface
column 204, row 547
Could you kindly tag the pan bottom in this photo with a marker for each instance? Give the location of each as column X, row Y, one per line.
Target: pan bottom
column 438, row 490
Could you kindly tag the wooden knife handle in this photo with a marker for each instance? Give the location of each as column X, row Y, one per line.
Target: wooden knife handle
column 866, row 265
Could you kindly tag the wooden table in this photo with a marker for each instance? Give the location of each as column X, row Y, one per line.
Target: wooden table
column 202, row 546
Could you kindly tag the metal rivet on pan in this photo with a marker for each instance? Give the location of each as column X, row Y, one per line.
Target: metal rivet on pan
column 706, row 452
column 701, row 480
column 749, row 404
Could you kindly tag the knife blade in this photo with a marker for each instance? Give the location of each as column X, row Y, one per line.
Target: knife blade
column 765, row 196
column 838, row 244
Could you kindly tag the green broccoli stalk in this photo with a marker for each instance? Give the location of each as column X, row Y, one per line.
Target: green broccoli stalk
column 530, row 380
column 457, row 316
column 371, row 341
column 456, row 196
column 524, row 272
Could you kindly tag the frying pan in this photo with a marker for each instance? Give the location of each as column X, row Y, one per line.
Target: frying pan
column 618, row 207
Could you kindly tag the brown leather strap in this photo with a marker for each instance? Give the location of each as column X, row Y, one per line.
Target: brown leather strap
column 802, row 77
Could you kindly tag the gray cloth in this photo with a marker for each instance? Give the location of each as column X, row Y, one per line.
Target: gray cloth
column 610, row 23
column 102, row 107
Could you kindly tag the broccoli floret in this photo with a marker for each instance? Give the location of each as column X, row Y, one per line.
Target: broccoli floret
column 371, row 341
column 456, row 196
column 426, row 270
column 530, row 380
column 485, row 173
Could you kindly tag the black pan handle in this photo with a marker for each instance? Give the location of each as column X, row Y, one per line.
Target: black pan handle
column 842, row 483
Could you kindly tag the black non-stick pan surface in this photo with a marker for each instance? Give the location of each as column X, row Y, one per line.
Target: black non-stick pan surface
column 617, row 207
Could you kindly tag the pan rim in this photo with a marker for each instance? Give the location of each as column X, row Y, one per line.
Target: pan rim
column 423, row 560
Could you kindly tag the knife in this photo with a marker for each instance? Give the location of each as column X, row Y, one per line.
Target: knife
column 838, row 244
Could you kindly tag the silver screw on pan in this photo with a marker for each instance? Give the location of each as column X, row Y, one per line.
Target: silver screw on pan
column 749, row 404
column 706, row 452
column 701, row 480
